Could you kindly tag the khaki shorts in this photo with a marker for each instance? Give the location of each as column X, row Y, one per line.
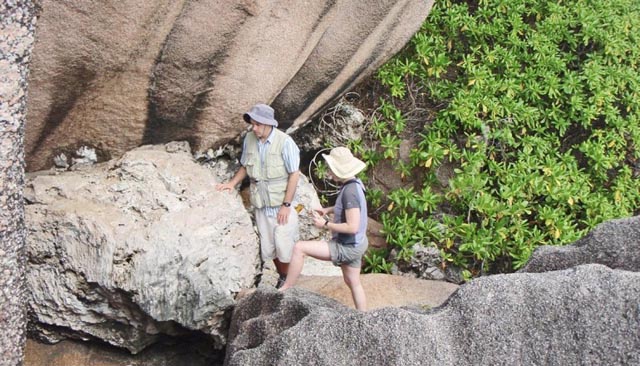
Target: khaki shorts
column 347, row 254
column 276, row 241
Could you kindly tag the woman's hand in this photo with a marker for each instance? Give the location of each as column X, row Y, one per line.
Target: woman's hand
column 321, row 211
column 319, row 219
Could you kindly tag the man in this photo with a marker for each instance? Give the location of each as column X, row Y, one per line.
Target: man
column 271, row 159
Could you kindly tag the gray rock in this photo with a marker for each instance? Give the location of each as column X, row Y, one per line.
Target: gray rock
column 17, row 36
column 135, row 248
column 587, row 315
column 306, row 201
column 614, row 243
column 61, row 161
column 425, row 263
column 339, row 125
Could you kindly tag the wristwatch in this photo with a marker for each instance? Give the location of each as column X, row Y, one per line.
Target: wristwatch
column 286, row 204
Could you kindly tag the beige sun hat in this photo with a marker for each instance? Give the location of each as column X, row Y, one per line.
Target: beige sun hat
column 342, row 163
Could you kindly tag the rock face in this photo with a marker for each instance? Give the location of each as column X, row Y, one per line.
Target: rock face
column 17, row 30
column 615, row 243
column 587, row 314
column 135, row 248
column 117, row 74
column 583, row 315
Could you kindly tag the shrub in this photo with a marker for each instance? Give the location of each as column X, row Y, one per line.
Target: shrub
column 537, row 108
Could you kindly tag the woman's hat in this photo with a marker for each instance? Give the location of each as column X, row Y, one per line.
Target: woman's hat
column 342, row 163
column 261, row 113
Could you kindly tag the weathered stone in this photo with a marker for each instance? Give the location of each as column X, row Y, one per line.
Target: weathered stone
column 122, row 73
column 17, row 29
column 135, row 248
column 614, row 243
column 585, row 315
column 306, row 201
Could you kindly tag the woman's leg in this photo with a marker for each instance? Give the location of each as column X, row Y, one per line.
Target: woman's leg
column 351, row 277
column 315, row 249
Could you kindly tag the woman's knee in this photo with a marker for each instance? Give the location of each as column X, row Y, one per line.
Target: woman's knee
column 351, row 277
column 299, row 249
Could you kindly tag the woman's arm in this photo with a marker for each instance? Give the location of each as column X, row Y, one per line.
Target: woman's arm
column 349, row 227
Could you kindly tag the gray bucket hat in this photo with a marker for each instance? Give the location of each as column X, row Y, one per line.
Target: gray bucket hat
column 261, row 113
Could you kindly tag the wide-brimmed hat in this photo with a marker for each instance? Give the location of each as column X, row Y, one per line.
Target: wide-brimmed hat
column 342, row 163
column 261, row 113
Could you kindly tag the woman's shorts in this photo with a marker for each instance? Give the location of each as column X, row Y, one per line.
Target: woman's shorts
column 347, row 254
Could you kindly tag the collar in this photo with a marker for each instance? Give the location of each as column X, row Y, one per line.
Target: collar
column 270, row 137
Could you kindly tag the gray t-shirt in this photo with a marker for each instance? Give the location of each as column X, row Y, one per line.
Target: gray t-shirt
column 351, row 196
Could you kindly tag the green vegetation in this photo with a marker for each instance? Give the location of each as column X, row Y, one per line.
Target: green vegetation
column 536, row 108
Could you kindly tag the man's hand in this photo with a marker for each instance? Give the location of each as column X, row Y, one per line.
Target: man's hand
column 283, row 215
column 225, row 187
column 233, row 182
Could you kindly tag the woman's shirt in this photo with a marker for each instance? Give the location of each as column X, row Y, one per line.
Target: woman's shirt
column 351, row 196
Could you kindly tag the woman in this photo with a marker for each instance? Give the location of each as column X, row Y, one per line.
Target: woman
column 349, row 227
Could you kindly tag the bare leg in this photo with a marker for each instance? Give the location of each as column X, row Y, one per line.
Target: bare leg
column 315, row 249
column 351, row 277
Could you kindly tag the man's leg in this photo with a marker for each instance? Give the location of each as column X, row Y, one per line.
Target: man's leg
column 285, row 237
column 315, row 249
column 266, row 228
column 283, row 268
column 351, row 277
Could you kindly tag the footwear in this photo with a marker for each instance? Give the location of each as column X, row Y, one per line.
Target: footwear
column 281, row 280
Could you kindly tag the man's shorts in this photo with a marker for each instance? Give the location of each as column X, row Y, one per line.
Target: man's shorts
column 276, row 241
column 347, row 254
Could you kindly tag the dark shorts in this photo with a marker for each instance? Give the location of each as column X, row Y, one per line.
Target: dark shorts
column 347, row 254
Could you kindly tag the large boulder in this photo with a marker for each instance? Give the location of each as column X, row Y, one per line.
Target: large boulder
column 136, row 248
column 119, row 73
column 584, row 315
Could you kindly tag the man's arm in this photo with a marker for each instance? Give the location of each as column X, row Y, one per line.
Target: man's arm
column 292, row 184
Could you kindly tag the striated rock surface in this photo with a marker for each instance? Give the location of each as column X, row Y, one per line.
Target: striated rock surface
column 136, row 248
column 117, row 74
column 585, row 315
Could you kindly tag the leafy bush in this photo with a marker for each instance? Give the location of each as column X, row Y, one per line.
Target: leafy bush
column 537, row 105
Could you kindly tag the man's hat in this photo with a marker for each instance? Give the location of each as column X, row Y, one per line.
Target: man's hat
column 261, row 113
